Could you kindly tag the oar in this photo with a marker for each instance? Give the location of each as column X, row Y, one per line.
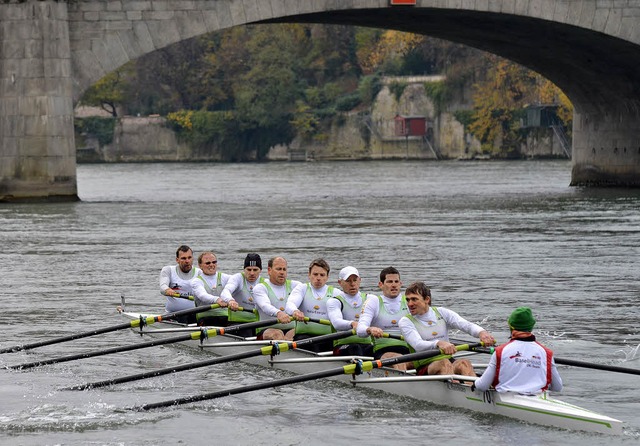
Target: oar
column 132, row 324
column 181, row 296
column 350, row 369
column 393, row 336
column 272, row 350
column 573, row 362
column 201, row 334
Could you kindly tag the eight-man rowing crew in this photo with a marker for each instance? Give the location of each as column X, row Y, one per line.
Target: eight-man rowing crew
column 387, row 325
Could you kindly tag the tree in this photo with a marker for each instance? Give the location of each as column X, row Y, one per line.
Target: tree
column 110, row 91
column 385, row 50
column 497, row 100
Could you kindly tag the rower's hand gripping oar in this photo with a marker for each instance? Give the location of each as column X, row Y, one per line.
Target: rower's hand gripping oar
column 350, row 369
column 275, row 348
column 573, row 362
column 189, row 297
column 132, row 324
column 201, row 335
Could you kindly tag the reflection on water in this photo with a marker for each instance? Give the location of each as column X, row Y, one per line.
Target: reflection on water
column 487, row 236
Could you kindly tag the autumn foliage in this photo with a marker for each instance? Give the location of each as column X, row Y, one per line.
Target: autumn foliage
column 247, row 88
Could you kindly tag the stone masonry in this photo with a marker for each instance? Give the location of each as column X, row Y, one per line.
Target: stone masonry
column 51, row 51
column 37, row 149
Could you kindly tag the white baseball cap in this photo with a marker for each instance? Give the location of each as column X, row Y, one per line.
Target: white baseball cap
column 347, row 271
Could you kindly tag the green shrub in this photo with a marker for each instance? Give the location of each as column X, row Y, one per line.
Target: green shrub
column 349, row 102
column 100, row 128
column 369, row 87
column 464, row 117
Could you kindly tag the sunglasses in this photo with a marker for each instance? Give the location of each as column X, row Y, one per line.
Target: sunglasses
column 213, row 262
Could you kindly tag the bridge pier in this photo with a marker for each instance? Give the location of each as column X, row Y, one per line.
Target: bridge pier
column 37, row 147
column 606, row 148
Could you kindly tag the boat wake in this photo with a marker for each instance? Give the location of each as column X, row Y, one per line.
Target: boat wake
column 630, row 353
column 62, row 418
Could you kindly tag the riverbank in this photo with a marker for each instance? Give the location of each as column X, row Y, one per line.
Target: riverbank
column 378, row 133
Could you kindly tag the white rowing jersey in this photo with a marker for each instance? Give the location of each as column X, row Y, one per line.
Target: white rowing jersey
column 523, row 366
column 172, row 277
column 271, row 299
column 422, row 332
column 207, row 289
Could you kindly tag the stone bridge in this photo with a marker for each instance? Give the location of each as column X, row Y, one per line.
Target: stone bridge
column 52, row 51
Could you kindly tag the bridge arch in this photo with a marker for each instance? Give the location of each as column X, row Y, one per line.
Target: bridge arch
column 576, row 48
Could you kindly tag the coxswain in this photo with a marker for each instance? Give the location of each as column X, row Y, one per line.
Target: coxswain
column 522, row 365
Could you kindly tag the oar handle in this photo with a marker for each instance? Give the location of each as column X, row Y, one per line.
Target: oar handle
column 189, row 297
column 393, row 336
column 234, row 328
column 248, row 310
column 317, row 321
column 483, row 349
column 183, row 296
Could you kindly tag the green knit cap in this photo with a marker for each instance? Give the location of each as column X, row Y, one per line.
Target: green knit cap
column 522, row 319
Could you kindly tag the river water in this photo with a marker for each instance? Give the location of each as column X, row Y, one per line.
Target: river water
column 487, row 237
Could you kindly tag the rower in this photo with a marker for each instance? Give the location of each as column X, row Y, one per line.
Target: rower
column 344, row 310
column 310, row 300
column 176, row 279
column 207, row 288
column 239, row 289
column 522, row 365
column 381, row 314
column 427, row 328
column 271, row 297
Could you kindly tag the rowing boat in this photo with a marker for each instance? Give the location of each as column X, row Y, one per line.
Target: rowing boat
column 446, row 390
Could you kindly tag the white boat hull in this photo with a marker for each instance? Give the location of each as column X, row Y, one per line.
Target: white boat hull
column 538, row 409
column 443, row 390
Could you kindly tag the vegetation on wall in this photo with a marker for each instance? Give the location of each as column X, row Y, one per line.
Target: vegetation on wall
column 100, row 128
column 397, row 88
column 439, row 94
